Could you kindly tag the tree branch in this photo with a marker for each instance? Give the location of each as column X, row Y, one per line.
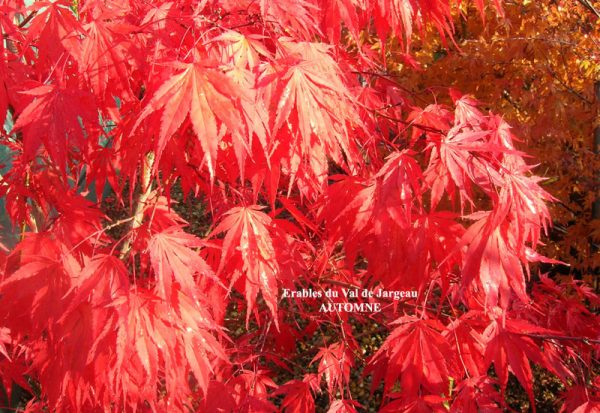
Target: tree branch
column 414, row 125
column 589, row 6
column 562, row 338
column 138, row 215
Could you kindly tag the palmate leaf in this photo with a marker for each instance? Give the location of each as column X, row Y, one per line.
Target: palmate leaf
column 102, row 279
column 509, row 348
column 53, row 119
column 312, row 113
column 157, row 337
column 35, row 291
column 104, row 56
column 210, row 99
column 248, row 250
column 417, row 355
column 525, row 200
column 383, row 219
column 335, row 362
column 53, row 30
column 174, row 260
column 465, row 338
column 298, row 395
column 493, row 262
column 388, row 200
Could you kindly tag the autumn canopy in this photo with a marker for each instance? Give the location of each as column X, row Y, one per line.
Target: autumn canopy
column 172, row 166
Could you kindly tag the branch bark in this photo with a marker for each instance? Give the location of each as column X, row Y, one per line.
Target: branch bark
column 138, row 216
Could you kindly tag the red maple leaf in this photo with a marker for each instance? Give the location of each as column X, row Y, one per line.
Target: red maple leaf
column 53, row 119
column 248, row 250
column 210, row 99
column 415, row 353
column 335, row 362
column 174, row 260
column 298, row 397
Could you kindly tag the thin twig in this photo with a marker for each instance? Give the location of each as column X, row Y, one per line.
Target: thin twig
column 27, row 19
column 415, row 125
column 585, row 340
column 589, row 6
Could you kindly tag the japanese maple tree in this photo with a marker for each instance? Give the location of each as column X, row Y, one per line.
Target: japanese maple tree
column 313, row 171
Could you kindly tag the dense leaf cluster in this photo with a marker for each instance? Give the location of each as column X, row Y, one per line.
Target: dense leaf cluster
column 317, row 174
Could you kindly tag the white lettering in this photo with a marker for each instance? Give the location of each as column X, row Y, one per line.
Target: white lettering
column 350, row 307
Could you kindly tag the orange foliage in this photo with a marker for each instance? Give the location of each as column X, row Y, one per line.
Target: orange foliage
column 536, row 65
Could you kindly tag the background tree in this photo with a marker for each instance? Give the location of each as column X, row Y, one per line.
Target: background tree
column 537, row 64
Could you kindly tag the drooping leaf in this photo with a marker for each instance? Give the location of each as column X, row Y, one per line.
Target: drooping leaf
column 174, row 260
column 298, row 397
column 53, row 119
column 335, row 362
column 209, row 98
column 248, row 251
column 417, row 355
column 510, row 349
